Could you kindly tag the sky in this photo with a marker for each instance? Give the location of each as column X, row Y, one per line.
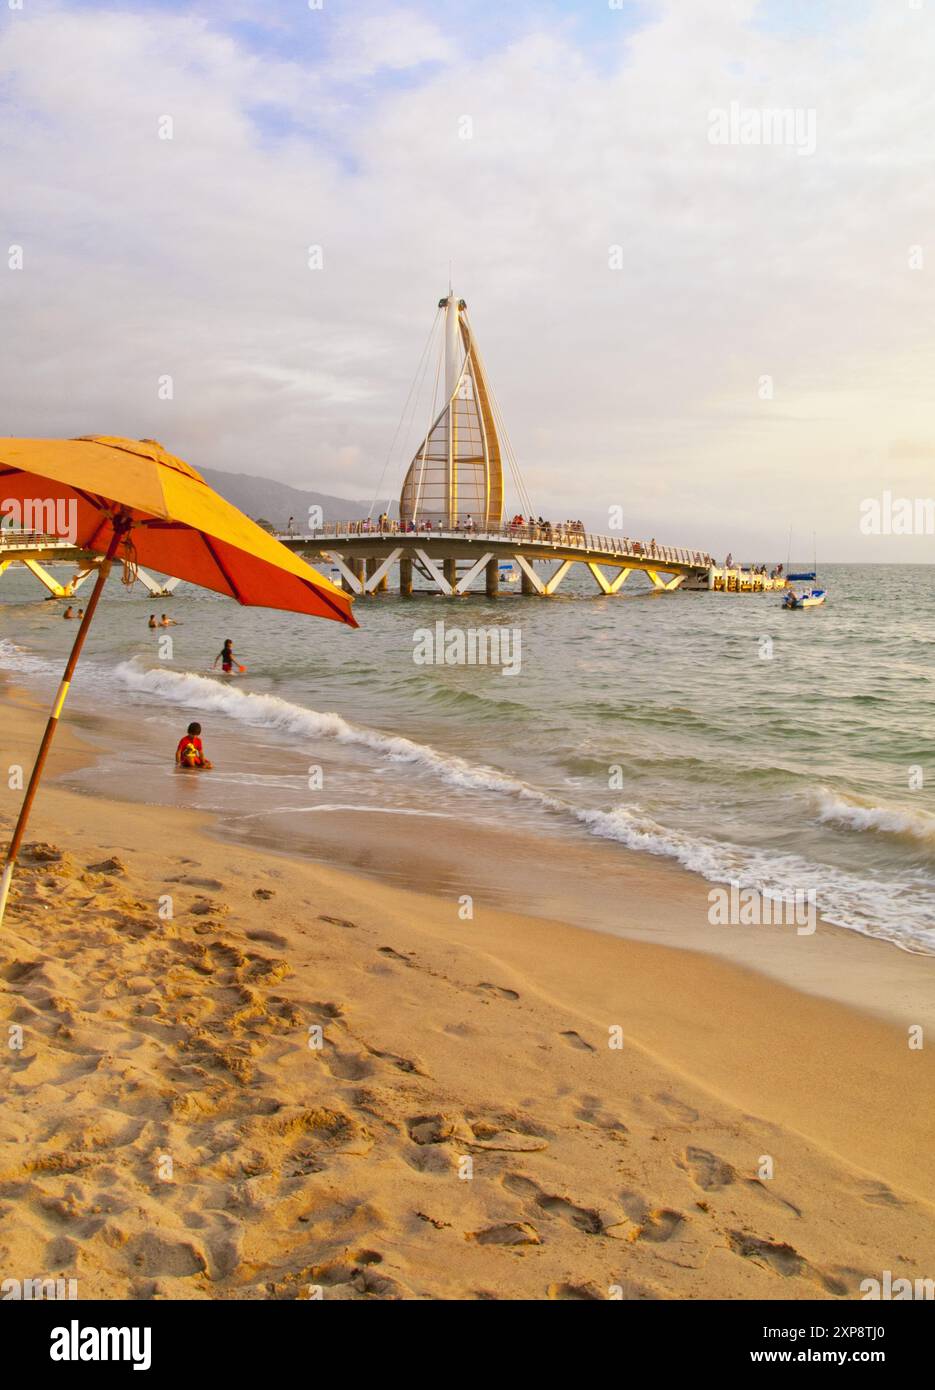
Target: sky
column 727, row 337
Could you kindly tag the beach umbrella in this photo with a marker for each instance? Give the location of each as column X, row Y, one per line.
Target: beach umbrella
column 131, row 501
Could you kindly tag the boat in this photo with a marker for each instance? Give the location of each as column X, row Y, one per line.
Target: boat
column 805, row 598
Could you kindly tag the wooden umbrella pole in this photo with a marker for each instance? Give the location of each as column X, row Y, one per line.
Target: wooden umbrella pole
column 20, row 830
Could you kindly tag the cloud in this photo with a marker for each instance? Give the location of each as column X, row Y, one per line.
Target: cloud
column 392, row 38
column 637, row 386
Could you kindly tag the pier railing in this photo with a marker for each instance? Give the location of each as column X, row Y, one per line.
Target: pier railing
column 11, row 539
column 559, row 536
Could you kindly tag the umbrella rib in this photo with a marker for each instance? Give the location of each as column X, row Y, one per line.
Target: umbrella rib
column 92, row 498
column 325, row 599
column 217, row 560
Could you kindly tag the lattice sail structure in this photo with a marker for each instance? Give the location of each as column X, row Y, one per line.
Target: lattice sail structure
column 457, row 472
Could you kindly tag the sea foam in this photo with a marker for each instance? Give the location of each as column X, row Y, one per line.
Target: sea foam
column 854, row 813
column 901, row 912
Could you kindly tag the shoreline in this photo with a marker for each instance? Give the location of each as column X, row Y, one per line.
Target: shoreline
column 442, row 1039
column 586, row 882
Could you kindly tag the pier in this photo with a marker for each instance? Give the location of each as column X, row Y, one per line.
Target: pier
column 453, row 561
column 368, row 558
column 450, row 531
column 37, row 549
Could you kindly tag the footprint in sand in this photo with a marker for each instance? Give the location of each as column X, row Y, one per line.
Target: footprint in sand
column 507, row 1233
column 584, row 1218
column 435, row 1129
column 338, row 921
column 781, row 1258
column 271, row 937
column 663, row 1109
column 206, row 907
column 346, row 1066
column 707, row 1170
column 877, row 1195
column 394, row 955
column 592, row 1113
column 498, row 1136
column 579, row 1292
column 574, row 1039
column 659, row 1225
column 498, row 991
column 493, row 1136
column 403, row 1063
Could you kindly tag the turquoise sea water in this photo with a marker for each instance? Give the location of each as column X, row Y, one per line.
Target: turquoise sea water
column 784, row 751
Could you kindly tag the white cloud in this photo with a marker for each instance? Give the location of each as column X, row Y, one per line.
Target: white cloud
column 392, row 38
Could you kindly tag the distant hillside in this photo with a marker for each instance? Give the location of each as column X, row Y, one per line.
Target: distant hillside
column 276, row 502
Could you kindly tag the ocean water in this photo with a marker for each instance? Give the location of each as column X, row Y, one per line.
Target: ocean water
column 790, row 752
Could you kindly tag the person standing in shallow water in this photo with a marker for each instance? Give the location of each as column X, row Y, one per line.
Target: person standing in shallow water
column 226, row 656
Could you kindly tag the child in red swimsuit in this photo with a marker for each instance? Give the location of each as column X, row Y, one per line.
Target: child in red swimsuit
column 190, row 752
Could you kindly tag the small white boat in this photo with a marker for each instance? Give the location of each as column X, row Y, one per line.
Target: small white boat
column 805, row 598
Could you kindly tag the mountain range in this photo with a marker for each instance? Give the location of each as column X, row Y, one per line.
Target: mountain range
column 268, row 500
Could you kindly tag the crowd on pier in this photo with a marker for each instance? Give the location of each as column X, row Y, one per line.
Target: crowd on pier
column 537, row 528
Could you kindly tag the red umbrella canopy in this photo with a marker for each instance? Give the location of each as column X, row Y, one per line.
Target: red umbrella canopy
column 175, row 523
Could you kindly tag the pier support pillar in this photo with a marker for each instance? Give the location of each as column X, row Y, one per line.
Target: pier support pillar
column 609, row 586
column 350, row 579
column 56, row 589
column 158, row 588
column 531, row 583
column 405, row 577
column 493, row 577
column 376, row 585
column 450, row 571
column 675, row 581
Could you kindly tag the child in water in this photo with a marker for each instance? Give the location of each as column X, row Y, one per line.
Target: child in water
column 226, row 657
column 190, row 753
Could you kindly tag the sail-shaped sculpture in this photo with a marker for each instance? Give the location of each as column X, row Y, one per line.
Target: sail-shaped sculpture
column 457, row 473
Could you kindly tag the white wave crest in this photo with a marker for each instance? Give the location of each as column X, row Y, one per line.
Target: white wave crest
column 856, row 814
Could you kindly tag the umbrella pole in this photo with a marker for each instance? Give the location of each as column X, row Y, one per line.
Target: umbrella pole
column 52, row 725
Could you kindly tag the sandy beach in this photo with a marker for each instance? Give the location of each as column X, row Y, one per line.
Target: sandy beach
column 238, row 1073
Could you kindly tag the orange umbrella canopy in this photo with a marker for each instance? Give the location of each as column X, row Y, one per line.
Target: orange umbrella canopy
column 178, row 524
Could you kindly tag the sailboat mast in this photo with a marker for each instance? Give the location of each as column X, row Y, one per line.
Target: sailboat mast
column 452, row 372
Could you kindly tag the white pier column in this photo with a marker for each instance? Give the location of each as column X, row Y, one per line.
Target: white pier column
column 159, row 588
column 466, row 580
column 443, row 586
column 355, row 584
column 609, row 586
